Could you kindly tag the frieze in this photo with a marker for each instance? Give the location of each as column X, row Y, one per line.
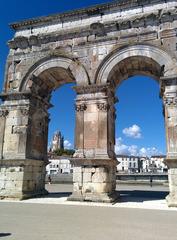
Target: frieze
column 15, row 96
column 95, row 28
column 98, row 29
column 91, row 88
column 168, row 81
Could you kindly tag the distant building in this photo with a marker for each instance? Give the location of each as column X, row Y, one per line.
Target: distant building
column 129, row 164
column 145, row 162
column 57, row 142
column 154, row 164
column 158, row 162
column 59, row 165
column 135, row 164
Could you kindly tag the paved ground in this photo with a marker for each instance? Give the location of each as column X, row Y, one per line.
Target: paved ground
column 29, row 221
column 128, row 193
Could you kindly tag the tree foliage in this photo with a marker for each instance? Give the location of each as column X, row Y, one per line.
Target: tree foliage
column 64, row 152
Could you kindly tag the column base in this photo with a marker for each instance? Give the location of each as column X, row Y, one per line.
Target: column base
column 172, row 200
column 22, row 179
column 94, row 180
column 94, row 197
column 172, row 177
column 22, row 195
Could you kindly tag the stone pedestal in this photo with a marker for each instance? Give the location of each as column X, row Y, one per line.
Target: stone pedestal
column 94, row 180
column 169, row 93
column 22, row 179
column 172, row 176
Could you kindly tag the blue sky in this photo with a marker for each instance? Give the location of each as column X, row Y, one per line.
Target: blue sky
column 139, row 124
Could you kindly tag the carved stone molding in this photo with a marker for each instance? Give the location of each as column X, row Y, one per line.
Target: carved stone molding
column 4, row 113
column 81, row 107
column 98, row 29
column 170, row 101
column 91, row 88
column 15, row 96
column 95, row 28
column 168, row 81
column 25, row 112
column 19, row 129
column 103, row 106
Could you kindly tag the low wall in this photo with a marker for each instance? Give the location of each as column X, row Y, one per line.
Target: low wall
column 122, row 178
column 142, row 178
column 61, row 178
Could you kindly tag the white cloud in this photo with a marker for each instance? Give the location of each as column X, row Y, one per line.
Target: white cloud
column 149, row 151
column 133, row 150
column 67, row 144
column 121, row 148
column 134, row 131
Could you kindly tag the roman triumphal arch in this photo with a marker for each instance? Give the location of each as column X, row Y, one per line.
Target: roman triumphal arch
column 97, row 48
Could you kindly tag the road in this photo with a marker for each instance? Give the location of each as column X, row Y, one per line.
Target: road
column 25, row 221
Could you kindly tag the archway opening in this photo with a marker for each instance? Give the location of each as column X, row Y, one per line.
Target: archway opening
column 61, row 141
column 140, row 128
column 62, row 115
column 52, row 110
column 140, row 133
column 140, row 141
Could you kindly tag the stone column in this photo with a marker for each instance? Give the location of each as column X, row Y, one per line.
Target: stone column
column 22, row 168
column 94, row 161
column 169, row 89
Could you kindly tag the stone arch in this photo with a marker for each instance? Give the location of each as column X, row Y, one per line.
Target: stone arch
column 162, row 63
column 72, row 69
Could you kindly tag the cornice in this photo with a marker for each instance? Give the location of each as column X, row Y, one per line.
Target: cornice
column 88, row 11
column 99, row 9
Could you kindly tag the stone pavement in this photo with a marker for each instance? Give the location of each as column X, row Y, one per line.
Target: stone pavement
column 138, row 216
column 131, row 196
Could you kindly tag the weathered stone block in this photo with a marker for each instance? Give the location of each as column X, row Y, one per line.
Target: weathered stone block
column 87, row 177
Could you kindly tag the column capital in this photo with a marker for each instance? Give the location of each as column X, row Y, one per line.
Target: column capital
column 4, row 113
column 103, row 106
column 170, row 100
column 25, row 111
column 80, row 107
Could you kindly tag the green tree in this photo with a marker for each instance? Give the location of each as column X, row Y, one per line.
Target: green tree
column 64, row 152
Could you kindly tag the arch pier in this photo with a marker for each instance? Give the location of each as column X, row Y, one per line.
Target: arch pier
column 94, row 162
column 24, row 124
column 169, row 95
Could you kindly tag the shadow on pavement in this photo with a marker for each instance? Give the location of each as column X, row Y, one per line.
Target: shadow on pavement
column 58, row 194
column 125, row 195
column 141, row 196
column 5, row 234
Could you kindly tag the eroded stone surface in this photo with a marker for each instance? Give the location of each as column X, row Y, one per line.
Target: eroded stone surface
column 97, row 48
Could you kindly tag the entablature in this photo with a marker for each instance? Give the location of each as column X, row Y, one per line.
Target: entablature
column 36, row 32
